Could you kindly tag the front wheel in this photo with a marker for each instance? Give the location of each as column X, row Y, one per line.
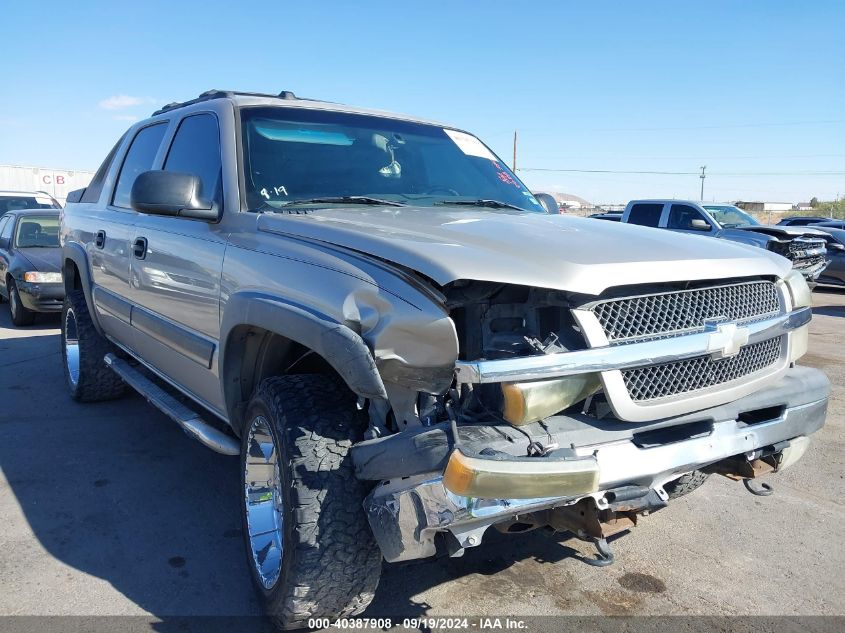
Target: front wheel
column 309, row 546
column 21, row 316
column 685, row 484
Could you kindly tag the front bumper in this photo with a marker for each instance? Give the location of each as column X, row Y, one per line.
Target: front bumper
column 405, row 514
column 41, row 297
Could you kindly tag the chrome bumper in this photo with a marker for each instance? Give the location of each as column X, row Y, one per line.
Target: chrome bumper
column 406, row 514
column 618, row 357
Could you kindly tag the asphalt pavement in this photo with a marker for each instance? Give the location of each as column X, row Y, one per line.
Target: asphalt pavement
column 109, row 509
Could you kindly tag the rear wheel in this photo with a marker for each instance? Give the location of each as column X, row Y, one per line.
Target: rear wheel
column 309, row 546
column 21, row 316
column 686, row 484
column 83, row 349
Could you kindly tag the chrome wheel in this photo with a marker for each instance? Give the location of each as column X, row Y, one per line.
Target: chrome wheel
column 263, row 499
column 71, row 347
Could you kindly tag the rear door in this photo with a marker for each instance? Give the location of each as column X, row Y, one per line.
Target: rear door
column 109, row 230
column 645, row 214
column 176, row 279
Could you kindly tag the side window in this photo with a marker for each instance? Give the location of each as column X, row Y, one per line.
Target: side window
column 95, row 187
column 3, row 221
column 645, row 214
column 6, row 231
column 196, row 150
column 681, row 217
column 138, row 159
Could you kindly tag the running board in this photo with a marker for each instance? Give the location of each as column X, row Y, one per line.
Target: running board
column 190, row 421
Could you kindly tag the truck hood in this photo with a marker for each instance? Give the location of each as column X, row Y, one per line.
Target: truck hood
column 574, row 254
column 782, row 232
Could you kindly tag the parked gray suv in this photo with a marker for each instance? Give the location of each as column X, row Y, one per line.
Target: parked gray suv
column 378, row 317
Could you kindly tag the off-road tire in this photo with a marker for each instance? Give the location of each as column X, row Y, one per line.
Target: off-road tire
column 330, row 562
column 96, row 381
column 21, row 316
column 685, row 484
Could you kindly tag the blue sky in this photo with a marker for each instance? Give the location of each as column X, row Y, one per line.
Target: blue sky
column 754, row 88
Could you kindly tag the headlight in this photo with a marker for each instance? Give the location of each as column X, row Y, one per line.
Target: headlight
column 525, row 478
column 799, row 291
column 527, row 402
column 43, row 278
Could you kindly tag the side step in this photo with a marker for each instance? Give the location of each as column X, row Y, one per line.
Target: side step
column 193, row 425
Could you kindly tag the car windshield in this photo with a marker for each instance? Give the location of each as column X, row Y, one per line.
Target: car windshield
column 37, row 231
column 293, row 156
column 730, row 216
column 19, row 202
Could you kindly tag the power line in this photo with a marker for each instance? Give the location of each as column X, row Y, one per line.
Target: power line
column 611, row 171
column 685, row 173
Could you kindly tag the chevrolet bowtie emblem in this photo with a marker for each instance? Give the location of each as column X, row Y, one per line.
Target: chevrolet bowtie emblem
column 726, row 339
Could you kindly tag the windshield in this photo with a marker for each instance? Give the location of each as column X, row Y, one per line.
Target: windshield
column 37, row 231
column 295, row 155
column 730, row 216
column 16, row 203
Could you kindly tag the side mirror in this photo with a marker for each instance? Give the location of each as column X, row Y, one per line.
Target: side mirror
column 170, row 193
column 4, row 242
column 548, row 202
column 699, row 225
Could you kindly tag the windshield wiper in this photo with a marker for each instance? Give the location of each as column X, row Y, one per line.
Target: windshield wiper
column 493, row 204
column 346, row 200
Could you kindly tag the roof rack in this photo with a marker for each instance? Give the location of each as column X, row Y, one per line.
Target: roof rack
column 208, row 95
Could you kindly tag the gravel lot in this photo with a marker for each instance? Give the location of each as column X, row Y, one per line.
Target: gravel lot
column 109, row 509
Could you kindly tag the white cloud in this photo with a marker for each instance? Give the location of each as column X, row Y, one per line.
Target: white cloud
column 131, row 118
column 118, row 102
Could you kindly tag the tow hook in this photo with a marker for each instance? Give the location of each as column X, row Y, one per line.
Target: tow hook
column 764, row 489
column 604, row 558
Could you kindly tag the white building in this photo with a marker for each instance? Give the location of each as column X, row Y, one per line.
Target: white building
column 57, row 182
column 765, row 207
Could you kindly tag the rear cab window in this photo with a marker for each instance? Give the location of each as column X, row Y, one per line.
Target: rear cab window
column 95, row 187
column 645, row 214
column 139, row 159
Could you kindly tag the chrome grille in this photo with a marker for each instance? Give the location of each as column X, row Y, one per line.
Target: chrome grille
column 682, row 312
column 694, row 374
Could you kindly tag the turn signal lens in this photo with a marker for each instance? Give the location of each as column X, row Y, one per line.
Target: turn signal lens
column 519, row 478
column 43, row 278
column 527, row 402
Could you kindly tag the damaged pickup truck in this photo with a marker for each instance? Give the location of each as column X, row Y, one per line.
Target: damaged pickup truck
column 405, row 350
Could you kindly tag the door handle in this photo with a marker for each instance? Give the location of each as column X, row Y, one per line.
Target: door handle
column 100, row 240
column 139, row 248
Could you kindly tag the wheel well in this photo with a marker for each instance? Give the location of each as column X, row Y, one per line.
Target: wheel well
column 253, row 354
column 70, row 276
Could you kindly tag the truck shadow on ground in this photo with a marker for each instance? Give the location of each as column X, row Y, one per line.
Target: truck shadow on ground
column 116, row 491
column 833, row 309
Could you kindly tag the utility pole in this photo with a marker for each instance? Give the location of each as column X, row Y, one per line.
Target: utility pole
column 514, row 151
column 702, row 176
